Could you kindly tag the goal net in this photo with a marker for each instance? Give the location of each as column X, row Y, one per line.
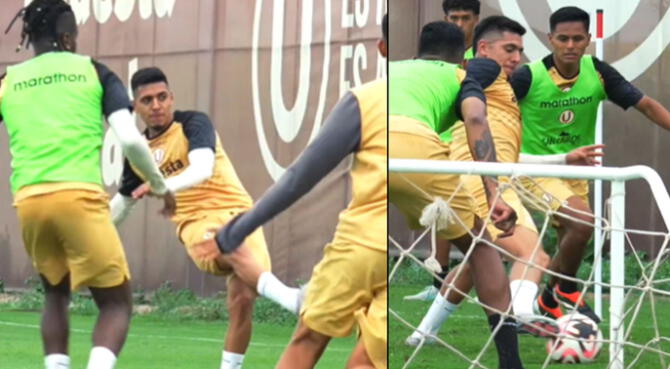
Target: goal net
column 634, row 296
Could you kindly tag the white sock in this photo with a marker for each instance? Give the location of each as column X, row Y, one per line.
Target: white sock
column 439, row 311
column 57, row 361
column 231, row 360
column 101, row 358
column 523, row 295
column 271, row 287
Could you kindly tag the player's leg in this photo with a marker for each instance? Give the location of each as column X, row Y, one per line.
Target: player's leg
column 240, row 302
column 429, row 292
column 55, row 323
column 97, row 260
column 251, row 262
column 371, row 351
column 492, row 286
column 524, row 278
column 445, row 303
column 111, row 328
column 304, row 350
column 574, row 235
column 359, row 358
column 41, row 241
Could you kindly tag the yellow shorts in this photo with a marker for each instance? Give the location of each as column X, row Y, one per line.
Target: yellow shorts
column 476, row 188
column 552, row 193
column 347, row 286
column 203, row 228
column 411, row 193
column 71, row 231
column 373, row 323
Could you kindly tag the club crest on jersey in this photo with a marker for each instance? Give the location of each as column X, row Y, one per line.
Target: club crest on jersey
column 159, row 154
column 567, row 117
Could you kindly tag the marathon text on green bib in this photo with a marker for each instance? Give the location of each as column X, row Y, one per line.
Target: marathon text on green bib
column 555, row 121
column 424, row 90
column 52, row 108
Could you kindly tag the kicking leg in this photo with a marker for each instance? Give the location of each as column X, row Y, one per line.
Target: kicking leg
column 492, row 288
column 359, row 358
column 266, row 284
column 304, row 350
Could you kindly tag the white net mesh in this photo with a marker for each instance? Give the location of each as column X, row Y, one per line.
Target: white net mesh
column 465, row 341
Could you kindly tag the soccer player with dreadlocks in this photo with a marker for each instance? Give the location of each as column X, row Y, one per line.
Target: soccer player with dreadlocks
column 56, row 178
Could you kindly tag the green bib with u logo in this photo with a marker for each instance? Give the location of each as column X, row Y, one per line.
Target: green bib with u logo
column 555, row 121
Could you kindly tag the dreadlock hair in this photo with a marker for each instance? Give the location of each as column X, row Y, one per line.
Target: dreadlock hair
column 41, row 21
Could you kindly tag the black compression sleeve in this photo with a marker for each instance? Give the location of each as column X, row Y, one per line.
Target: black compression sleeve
column 115, row 95
column 340, row 136
column 520, row 81
column 617, row 88
column 198, row 129
column 129, row 180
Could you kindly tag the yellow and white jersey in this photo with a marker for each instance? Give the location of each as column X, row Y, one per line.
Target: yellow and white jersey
column 223, row 190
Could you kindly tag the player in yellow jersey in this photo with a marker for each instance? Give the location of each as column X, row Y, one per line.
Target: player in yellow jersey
column 499, row 45
column 209, row 194
column 426, row 96
column 348, row 286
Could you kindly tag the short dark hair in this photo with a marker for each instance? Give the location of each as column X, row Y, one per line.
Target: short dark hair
column 496, row 23
column 569, row 14
column 45, row 20
column 443, row 39
column 385, row 27
column 147, row 76
column 472, row 5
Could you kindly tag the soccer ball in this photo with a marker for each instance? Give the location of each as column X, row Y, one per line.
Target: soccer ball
column 579, row 340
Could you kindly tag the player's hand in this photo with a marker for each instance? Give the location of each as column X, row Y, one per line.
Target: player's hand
column 141, row 191
column 503, row 217
column 169, row 204
column 585, row 155
column 206, row 250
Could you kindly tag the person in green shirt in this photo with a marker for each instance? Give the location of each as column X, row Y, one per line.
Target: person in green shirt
column 53, row 106
column 426, row 96
column 464, row 14
column 559, row 96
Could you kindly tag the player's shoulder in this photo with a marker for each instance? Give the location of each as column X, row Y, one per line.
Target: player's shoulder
column 189, row 117
column 483, row 70
column 373, row 90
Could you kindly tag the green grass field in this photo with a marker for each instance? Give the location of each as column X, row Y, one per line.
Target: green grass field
column 467, row 330
column 155, row 343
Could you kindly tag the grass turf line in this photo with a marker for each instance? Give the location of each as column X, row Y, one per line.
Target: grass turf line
column 154, row 343
column 467, row 330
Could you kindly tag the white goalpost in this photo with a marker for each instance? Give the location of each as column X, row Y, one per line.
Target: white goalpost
column 613, row 226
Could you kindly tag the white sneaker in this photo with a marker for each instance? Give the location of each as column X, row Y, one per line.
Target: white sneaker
column 427, row 294
column 415, row 338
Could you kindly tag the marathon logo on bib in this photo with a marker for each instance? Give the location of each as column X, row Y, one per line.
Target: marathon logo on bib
column 567, row 117
column 564, row 103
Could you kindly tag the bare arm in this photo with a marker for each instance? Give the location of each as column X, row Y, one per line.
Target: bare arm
column 479, row 139
column 653, row 110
